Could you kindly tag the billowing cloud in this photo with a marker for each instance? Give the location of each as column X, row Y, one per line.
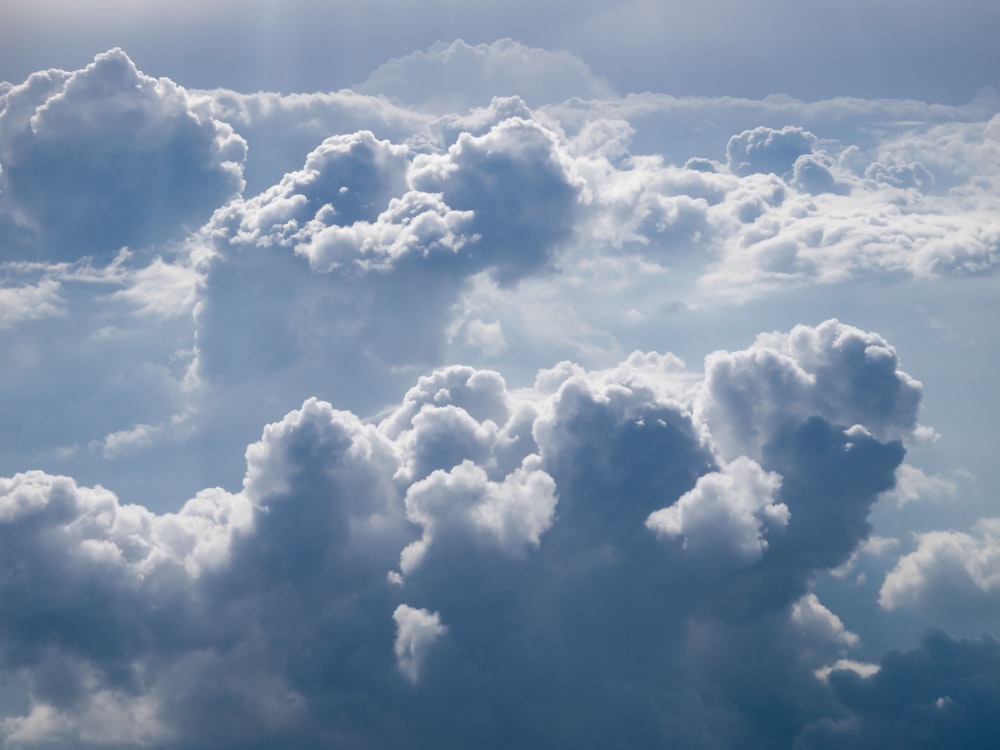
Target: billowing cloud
column 951, row 577
column 833, row 369
column 368, row 231
column 453, row 77
column 737, row 503
column 106, row 156
column 768, row 150
column 573, row 549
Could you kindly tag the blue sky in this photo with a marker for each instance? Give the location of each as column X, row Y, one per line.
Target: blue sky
column 541, row 374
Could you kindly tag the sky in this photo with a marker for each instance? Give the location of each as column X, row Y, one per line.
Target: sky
column 443, row 374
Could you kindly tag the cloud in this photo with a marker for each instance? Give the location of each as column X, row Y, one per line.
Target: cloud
column 106, row 157
column 832, row 369
column 487, row 337
column 914, row 485
column 29, row 302
column 768, row 150
column 417, row 629
column 951, row 577
column 737, row 503
column 280, row 129
column 366, row 234
column 543, row 549
column 942, row 692
column 457, row 76
column 824, row 204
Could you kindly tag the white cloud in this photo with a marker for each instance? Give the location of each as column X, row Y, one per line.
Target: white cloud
column 416, row 631
column 457, row 76
column 512, row 514
column 913, row 484
column 951, row 576
column 817, row 623
column 832, row 369
column 731, row 510
column 30, row 302
column 487, row 337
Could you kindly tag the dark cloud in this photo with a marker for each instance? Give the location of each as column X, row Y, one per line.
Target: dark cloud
column 944, row 693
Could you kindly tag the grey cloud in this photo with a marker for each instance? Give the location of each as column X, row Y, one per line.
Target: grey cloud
column 942, row 693
column 480, row 546
column 606, row 558
column 517, row 169
column 768, row 150
column 812, row 173
column 366, row 232
column 834, row 371
column 457, row 76
column 913, row 175
column 106, row 157
column 280, row 129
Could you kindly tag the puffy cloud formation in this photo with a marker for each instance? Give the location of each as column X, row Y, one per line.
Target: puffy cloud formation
column 951, row 577
column 737, row 503
column 453, row 77
column 104, row 157
column 834, row 371
column 316, row 271
column 576, row 553
column 767, row 150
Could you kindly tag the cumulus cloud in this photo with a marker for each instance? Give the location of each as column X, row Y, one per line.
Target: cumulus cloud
column 29, row 301
column 951, row 577
column 542, row 549
column 832, row 369
column 307, row 284
column 417, row 629
column 737, row 503
column 457, row 76
column 106, row 156
column 765, row 149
